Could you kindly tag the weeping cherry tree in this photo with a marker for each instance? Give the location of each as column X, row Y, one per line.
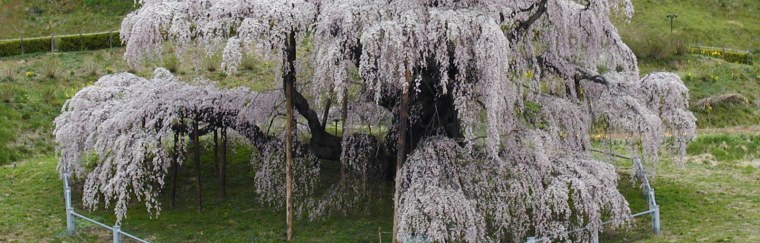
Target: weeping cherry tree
column 488, row 105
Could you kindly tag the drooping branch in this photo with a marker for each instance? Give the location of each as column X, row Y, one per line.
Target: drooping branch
column 525, row 25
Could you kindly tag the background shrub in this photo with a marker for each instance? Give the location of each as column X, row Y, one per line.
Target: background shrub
column 656, row 45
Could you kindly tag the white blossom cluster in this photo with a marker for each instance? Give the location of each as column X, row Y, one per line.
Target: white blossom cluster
column 126, row 125
column 269, row 177
column 645, row 109
column 450, row 194
column 666, row 94
column 260, row 26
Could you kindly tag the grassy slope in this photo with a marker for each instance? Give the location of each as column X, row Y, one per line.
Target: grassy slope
column 732, row 24
column 33, row 89
column 32, row 18
column 706, row 77
column 722, row 23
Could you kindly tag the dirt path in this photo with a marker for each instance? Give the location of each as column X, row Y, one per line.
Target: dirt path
column 730, row 130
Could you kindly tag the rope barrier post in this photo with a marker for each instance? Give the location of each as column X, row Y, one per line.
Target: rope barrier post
column 22, row 46
column 379, row 235
column 116, row 234
column 110, row 39
column 531, row 240
column 69, row 210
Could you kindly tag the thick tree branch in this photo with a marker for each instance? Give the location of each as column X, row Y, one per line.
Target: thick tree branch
column 523, row 26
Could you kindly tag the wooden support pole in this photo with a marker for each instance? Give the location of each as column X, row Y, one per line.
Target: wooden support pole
column 289, row 81
column 343, row 117
column 197, row 157
column 216, row 153
column 175, row 168
column 401, row 148
column 223, row 166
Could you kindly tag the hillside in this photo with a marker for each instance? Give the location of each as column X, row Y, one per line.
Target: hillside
column 32, row 18
column 723, row 23
column 727, row 24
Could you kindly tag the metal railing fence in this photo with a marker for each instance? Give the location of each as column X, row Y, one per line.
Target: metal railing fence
column 654, row 209
column 71, row 215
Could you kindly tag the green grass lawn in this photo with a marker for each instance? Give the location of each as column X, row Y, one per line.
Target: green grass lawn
column 709, row 199
column 32, row 201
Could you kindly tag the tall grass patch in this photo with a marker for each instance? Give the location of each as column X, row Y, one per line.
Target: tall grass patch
column 727, row 147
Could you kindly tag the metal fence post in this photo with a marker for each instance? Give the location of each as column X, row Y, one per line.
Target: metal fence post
column 531, row 240
column 656, row 217
column 116, row 234
column 655, row 212
column 69, row 210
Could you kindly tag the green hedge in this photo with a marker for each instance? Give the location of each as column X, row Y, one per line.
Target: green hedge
column 725, row 54
column 62, row 43
column 25, row 46
column 87, row 42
